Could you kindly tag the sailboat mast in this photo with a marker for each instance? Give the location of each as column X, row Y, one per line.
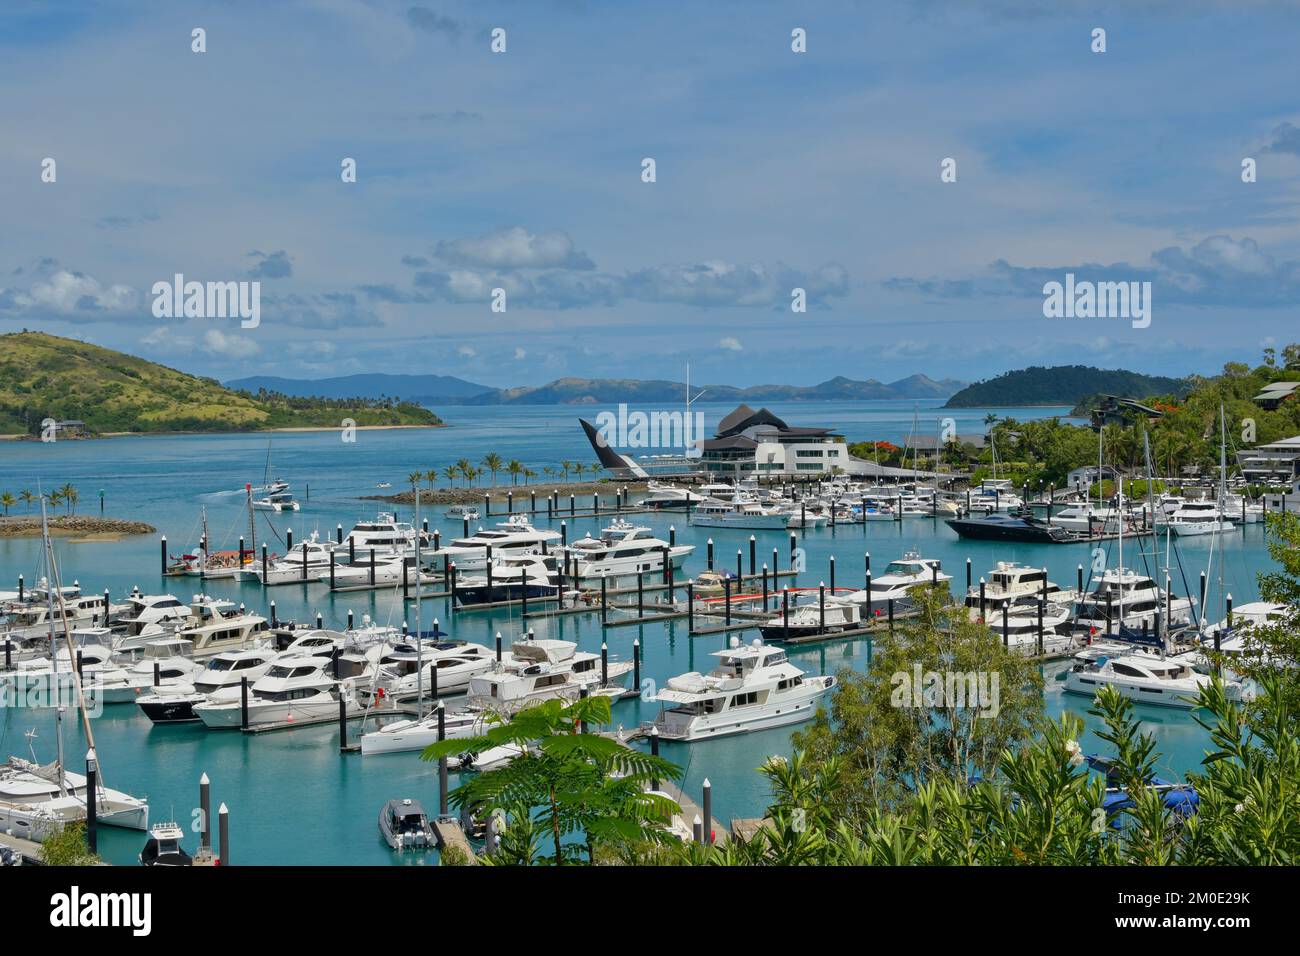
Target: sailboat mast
column 419, row 643
column 50, row 589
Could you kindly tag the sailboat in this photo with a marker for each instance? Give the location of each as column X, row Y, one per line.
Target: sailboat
column 275, row 493
column 37, row 800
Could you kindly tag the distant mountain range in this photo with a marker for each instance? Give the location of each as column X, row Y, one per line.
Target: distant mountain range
column 1063, row 385
column 445, row 390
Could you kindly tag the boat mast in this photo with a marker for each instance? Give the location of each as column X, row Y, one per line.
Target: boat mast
column 51, row 587
column 419, row 643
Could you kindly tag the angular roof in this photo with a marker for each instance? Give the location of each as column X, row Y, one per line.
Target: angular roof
column 745, row 417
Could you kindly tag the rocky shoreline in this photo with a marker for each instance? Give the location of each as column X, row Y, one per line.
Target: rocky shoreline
column 74, row 526
column 474, row 496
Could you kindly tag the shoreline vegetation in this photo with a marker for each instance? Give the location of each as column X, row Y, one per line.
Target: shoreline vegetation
column 267, row 431
column 96, row 391
column 498, row 493
column 72, row 526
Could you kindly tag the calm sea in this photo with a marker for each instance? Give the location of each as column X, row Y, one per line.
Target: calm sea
column 293, row 798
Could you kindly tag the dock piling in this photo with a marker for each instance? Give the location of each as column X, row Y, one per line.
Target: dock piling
column 205, row 811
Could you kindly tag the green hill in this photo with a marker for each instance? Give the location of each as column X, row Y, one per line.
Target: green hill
column 1062, row 385
column 45, row 376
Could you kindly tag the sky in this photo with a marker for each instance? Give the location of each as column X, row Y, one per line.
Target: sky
column 524, row 171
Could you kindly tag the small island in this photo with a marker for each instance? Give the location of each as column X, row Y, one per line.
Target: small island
column 80, row 527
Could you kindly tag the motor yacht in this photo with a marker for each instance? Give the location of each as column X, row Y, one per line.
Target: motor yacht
column 405, row 672
column 514, row 576
column 385, row 536
column 293, row 688
column 404, row 825
column 543, row 669
column 670, row 496
column 739, row 514
column 909, row 571
column 811, row 618
column 754, row 687
column 512, row 536
column 308, row 561
column 624, row 549
column 404, row 736
column 28, row 788
column 217, row 625
column 1143, row 678
column 1124, row 597
column 462, row 513
column 220, row 680
column 1198, row 518
column 1010, row 581
column 276, row 497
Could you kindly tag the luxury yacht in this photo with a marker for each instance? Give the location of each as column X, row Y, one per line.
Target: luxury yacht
column 220, row 680
column 404, row 736
column 385, row 535
column 1134, row 600
column 513, row 535
column 32, row 618
column 669, row 496
column 384, row 570
column 899, row 578
column 995, row 494
column 754, row 687
column 293, row 688
column 738, row 514
column 217, row 625
column 624, row 549
column 1198, row 518
column 1144, row 678
column 404, row 672
column 142, row 610
column 513, row 576
column 809, row 618
column 542, row 669
column 313, row 552
column 1010, row 581
column 462, row 513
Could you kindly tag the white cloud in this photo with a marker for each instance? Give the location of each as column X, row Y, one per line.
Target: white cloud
column 230, row 346
column 521, row 354
column 466, row 352
column 516, row 248
column 68, row 294
column 731, row 343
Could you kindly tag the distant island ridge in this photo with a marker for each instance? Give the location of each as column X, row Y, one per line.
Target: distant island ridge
column 1067, row 385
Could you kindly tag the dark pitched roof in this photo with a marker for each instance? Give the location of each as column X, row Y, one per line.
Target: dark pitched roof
column 745, row 417
column 730, row 443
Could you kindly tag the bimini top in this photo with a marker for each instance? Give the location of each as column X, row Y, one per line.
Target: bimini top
column 544, row 651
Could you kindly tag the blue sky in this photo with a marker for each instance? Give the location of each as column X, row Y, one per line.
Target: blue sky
column 522, row 171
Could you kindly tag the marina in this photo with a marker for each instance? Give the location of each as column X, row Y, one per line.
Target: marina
column 641, row 622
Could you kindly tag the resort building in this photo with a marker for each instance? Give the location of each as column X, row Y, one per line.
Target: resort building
column 1275, row 394
column 1277, row 463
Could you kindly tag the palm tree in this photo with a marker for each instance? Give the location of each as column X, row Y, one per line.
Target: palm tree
column 7, row 501
column 566, row 467
column 55, row 499
column 450, row 473
column 471, row 475
column 493, row 463
column 515, row 468
column 431, row 476
column 26, row 497
column 529, row 473
column 414, row 479
column 549, row 471
column 579, row 782
column 578, row 469
column 466, row 470
column 70, row 495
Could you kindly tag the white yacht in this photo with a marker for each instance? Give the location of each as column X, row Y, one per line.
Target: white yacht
column 1144, row 678
column 899, row 578
column 754, row 687
column 738, row 514
column 1089, row 519
column 995, row 494
column 1134, row 600
column 220, row 680
column 542, row 669
column 142, row 610
column 513, row 535
column 385, row 535
column 384, row 570
column 276, row 497
column 513, row 576
column 32, row 619
column 288, row 569
column 37, row 799
column 462, row 513
column 624, row 549
column 669, row 496
column 1198, row 518
column 217, row 625
column 1010, row 581
column 293, row 688
column 403, row 736
column 810, row 618
column 404, row 672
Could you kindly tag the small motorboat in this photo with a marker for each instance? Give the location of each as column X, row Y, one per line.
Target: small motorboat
column 404, row 824
column 164, row 847
column 384, row 484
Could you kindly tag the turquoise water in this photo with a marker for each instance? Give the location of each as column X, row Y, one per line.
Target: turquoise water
column 293, row 798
